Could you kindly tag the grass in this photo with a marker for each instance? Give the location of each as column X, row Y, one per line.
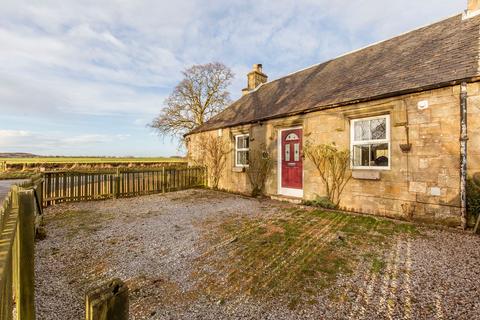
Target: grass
column 89, row 160
column 16, row 175
column 294, row 256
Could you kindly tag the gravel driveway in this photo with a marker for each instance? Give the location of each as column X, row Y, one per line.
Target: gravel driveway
column 155, row 242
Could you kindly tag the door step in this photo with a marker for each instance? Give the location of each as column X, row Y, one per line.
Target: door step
column 283, row 198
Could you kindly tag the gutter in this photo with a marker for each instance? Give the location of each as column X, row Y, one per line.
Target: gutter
column 345, row 103
column 463, row 152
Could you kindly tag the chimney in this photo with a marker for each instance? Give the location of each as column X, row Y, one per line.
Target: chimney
column 255, row 78
column 473, row 9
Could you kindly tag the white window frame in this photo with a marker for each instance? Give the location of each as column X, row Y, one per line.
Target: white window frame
column 367, row 142
column 239, row 165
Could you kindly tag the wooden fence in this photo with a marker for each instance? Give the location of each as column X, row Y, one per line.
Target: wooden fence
column 19, row 218
column 21, row 213
column 70, row 186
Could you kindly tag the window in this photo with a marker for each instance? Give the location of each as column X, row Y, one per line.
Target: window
column 242, row 143
column 370, row 143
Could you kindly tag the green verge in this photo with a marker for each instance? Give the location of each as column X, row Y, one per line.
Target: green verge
column 16, row 175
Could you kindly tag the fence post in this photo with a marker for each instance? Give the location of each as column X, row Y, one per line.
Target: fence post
column 25, row 237
column 116, row 185
column 163, row 179
column 107, row 302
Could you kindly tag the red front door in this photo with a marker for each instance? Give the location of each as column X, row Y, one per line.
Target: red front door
column 292, row 162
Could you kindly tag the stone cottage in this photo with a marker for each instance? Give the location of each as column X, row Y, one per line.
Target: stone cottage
column 407, row 108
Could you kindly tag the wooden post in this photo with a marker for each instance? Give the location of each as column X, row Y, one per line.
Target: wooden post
column 25, row 237
column 7, row 259
column 163, row 179
column 107, row 302
column 477, row 224
column 116, row 185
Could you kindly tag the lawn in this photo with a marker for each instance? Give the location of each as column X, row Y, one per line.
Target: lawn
column 297, row 255
column 200, row 254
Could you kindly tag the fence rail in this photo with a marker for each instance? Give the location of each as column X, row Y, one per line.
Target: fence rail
column 19, row 218
column 70, row 186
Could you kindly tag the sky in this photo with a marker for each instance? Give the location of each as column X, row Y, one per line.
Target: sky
column 86, row 77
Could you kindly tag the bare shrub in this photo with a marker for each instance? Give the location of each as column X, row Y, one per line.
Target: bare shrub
column 259, row 166
column 333, row 167
column 213, row 155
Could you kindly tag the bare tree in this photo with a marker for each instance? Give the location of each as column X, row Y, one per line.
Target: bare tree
column 332, row 165
column 199, row 96
column 214, row 157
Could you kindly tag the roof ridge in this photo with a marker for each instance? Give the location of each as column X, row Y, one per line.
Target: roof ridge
column 357, row 50
column 429, row 57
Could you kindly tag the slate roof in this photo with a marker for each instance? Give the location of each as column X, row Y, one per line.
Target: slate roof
column 437, row 55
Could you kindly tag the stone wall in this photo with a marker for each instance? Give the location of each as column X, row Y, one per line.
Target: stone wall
column 422, row 184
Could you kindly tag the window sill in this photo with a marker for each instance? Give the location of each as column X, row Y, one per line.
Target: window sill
column 238, row 169
column 370, row 168
column 366, row 174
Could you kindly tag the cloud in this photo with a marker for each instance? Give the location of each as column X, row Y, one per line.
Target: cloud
column 15, row 139
column 64, row 60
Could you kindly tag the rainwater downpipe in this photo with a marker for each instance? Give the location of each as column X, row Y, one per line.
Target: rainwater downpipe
column 463, row 152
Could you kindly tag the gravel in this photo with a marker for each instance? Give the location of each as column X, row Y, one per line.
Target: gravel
column 152, row 243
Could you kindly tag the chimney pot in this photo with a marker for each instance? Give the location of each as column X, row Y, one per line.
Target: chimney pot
column 255, row 78
column 257, row 67
column 473, row 9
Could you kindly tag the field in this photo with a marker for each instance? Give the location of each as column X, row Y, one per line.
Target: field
column 89, row 160
column 24, row 167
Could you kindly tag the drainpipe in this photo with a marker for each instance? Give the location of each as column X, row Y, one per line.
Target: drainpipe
column 463, row 152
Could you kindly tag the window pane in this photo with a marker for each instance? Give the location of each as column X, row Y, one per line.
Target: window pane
column 378, row 128
column 242, row 158
column 361, row 155
column 242, row 142
column 287, row 152
column 379, row 155
column 362, row 130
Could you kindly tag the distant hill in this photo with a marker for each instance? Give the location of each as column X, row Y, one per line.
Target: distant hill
column 17, row 155
column 24, row 155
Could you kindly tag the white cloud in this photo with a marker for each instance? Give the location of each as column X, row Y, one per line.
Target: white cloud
column 63, row 59
column 15, row 139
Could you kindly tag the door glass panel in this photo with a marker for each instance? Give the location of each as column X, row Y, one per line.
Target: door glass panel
column 291, row 136
column 296, row 152
column 287, row 152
